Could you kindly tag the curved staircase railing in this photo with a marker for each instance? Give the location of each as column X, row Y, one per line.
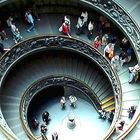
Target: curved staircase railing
column 134, row 121
column 40, row 43
column 114, row 11
column 123, row 20
column 5, row 129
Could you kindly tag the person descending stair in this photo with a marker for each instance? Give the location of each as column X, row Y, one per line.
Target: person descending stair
column 45, row 117
column 29, row 18
column 120, row 126
column 65, row 28
column 16, row 34
column 102, row 114
column 63, row 102
column 134, row 73
column 131, row 111
column 115, row 63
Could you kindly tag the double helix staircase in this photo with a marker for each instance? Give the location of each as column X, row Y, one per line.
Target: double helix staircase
column 19, row 81
column 44, row 65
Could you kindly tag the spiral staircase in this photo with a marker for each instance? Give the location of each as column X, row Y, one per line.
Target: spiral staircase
column 72, row 66
column 44, row 66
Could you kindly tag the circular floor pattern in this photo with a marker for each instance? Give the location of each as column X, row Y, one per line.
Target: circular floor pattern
column 87, row 123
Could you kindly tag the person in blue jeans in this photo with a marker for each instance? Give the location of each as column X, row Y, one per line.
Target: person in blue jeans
column 30, row 20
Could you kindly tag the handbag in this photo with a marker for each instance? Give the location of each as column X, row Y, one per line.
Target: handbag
column 60, row 29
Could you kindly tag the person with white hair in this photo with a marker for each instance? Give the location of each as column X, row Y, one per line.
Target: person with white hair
column 63, row 102
column 134, row 73
column 85, row 17
column 16, row 34
column 73, row 100
column 90, row 29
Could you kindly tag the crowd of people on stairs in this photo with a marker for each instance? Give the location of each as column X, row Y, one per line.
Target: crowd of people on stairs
column 103, row 114
column 103, row 39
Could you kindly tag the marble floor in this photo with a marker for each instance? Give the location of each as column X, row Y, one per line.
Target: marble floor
column 86, row 117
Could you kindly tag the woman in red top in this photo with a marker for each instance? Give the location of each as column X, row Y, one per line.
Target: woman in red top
column 97, row 42
column 65, row 29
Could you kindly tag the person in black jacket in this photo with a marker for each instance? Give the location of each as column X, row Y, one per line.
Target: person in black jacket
column 45, row 117
column 55, row 136
column 2, row 48
column 43, row 129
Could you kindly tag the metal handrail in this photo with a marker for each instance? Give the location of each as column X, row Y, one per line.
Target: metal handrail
column 133, row 123
column 7, row 134
column 133, row 36
column 113, row 10
column 82, row 47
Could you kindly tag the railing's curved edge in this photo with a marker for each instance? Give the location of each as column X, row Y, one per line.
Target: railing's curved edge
column 5, row 128
column 133, row 123
column 84, row 48
column 6, row 134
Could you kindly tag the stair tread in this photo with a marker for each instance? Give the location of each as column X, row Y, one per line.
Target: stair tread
column 107, row 99
column 111, row 108
column 108, row 104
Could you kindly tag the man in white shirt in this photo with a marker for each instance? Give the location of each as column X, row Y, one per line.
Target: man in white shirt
column 115, row 63
column 73, row 100
column 90, row 29
column 63, row 102
column 16, row 33
column 85, row 15
column 108, row 49
column 79, row 25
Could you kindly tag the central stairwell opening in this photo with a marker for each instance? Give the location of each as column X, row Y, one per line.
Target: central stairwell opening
column 56, row 62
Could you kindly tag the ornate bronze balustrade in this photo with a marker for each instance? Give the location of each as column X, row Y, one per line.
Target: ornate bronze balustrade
column 42, row 43
column 124, row 21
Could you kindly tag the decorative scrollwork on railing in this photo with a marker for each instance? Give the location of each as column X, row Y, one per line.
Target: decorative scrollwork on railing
column 60, row 42
column 41, row 43
column 114, row 11
column 57, row 42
